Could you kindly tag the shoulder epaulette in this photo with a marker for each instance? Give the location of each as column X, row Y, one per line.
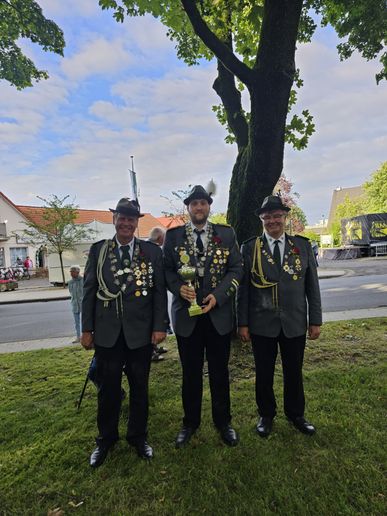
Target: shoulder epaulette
column 304, row 237
column 175, row 227
column 222, row 225
column 99, row 242
column 249, row 240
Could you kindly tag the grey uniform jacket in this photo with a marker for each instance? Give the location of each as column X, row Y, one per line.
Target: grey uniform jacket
column 294, row 296
column 222, row 271
column 142, row 307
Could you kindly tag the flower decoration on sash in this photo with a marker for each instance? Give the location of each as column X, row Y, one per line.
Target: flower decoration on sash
column 292, row 261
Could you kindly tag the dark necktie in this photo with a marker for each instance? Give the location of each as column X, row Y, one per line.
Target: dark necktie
column 125, row 258
column 199, row 241
column 277, row 255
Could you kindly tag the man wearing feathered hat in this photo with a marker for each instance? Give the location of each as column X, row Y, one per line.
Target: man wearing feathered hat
column 210, row 253
column 124, row 314
column 278, row 302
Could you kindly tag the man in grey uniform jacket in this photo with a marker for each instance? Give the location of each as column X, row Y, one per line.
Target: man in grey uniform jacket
column 278, row 302
column 212, row 250
column 124, row 313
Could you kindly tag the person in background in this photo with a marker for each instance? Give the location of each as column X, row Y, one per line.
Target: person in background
column 157, row 236
column 19, row 262
column 76, row 292
column 315, row 250
column 28, row 265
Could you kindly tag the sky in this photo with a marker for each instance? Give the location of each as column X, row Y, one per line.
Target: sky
column 120, row 91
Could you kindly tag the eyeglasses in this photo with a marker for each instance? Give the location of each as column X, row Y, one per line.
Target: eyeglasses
column 276, row 216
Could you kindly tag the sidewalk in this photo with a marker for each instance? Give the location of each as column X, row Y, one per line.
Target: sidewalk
column 62, row 342
column 39, row 290
column 33, row 291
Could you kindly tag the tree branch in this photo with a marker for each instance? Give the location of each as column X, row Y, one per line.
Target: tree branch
column 221, row 51
column 224, row 85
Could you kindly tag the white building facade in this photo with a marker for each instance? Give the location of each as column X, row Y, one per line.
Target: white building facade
column 12, row 243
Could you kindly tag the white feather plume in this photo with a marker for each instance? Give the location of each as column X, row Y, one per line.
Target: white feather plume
column 211, row 188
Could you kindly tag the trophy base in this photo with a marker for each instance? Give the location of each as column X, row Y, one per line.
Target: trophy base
column 194, row 310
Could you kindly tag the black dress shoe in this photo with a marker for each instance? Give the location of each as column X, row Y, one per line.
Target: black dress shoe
column 144, row 450
column 184, row 436
column 229, row 435
column 303, row 425
column 264, row 426
column 97, row 458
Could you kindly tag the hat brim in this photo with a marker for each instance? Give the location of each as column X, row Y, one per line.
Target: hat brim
column 196, row 197
column 259, row 211
column 128, row 213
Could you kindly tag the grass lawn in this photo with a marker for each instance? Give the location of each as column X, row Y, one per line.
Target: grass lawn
column 46, row 443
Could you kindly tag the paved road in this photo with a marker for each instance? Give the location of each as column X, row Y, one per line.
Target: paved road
column 30, row 321
column 354, row 292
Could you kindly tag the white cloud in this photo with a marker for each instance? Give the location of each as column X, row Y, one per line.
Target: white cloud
column 76, row 141
column 98, row 56
column 350, row 126
column 69, row 8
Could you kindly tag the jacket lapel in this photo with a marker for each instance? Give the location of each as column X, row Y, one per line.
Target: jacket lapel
column 208, row 257
column 269, row 266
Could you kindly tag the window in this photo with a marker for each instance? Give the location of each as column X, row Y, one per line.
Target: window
column 2, row 257
column 18, row 252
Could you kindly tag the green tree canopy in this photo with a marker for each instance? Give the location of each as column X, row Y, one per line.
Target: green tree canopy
column 254, row 43
column 25, row 19
column 376, row 190
column 57, row 230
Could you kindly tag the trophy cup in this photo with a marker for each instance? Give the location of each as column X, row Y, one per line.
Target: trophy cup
column 188, row 273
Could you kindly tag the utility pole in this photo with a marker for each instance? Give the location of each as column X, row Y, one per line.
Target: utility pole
column 133, row 184
column 133, row 180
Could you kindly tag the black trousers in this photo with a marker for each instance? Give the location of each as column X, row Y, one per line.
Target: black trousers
column 206, row 339
column 265, row 351
column 110, row 363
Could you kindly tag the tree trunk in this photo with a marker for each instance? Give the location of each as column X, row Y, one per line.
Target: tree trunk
column 261, row 140
column 259, row 164
column 62, row 269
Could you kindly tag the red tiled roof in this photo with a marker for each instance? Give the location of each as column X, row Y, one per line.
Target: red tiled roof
column 172, row 222
column 145, row 224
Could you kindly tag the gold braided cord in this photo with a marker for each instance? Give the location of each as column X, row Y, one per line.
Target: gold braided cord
column 258, row 271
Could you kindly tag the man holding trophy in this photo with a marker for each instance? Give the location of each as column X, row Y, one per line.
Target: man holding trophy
column 203, row 268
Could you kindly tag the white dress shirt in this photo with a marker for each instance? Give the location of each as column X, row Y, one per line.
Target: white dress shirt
column 203, row 235
column 281, row 244
column 131, row 246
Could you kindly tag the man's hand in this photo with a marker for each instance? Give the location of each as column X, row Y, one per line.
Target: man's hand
column 157, row 337
column 87, row 340
column 209, row 302
column 313, row 332
column 244, row 334
column 187, row 293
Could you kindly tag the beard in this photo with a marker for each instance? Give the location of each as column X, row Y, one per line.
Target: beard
column 200, row 218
